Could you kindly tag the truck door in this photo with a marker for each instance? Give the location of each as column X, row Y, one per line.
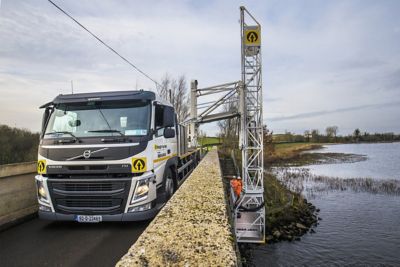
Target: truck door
column 164, row 148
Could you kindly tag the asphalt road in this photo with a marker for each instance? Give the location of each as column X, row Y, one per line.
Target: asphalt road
column 45, row 243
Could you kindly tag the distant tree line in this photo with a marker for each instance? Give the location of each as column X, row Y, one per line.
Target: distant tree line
column 17, row 145
column 331, row 136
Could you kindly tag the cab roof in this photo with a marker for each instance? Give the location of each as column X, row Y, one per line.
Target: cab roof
column 105, row 96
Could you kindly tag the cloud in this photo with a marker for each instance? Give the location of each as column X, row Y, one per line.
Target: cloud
column 334, row 111
column 317, row 56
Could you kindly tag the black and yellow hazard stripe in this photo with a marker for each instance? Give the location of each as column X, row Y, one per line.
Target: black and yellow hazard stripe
column 164, row 158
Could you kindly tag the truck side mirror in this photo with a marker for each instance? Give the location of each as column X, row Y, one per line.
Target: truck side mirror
column 45, row 118
column 169, row 133
column 169, row 117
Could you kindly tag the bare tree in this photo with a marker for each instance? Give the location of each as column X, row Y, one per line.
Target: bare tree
column 180, row 98
column 356, row 135
column 163, row 90
column 331, row 131
column 269, row 147
column 307, row 135
column 229, row 128
column 175, row 91
column 315, row 135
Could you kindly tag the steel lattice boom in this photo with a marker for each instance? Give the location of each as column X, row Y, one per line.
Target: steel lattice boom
column 248, row 208
column 250, row 211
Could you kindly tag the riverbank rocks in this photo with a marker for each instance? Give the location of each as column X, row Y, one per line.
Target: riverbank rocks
column 301, row 226
column 293, row 223
column 193, row 228
column 277, row 234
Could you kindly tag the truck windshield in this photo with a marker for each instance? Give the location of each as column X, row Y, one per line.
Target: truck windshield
column 99, row 119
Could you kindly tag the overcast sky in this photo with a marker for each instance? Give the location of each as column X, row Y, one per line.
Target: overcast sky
column 325, row 62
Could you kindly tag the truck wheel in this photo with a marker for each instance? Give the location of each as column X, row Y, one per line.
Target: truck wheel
column 169, row 188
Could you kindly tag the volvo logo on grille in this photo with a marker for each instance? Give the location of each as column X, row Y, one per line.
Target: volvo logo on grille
column 86, row 154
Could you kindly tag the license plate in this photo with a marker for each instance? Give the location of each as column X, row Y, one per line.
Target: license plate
column 89, row 218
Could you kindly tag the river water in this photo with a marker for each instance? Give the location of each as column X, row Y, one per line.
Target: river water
column 357, row 228
column 383, row 161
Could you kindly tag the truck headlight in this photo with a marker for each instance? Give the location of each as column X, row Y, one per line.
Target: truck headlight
column 141, row 190
column 41, row 191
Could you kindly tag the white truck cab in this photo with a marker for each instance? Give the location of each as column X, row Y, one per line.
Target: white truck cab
column 110, row 156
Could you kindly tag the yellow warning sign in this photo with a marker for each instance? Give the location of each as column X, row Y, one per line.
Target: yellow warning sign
column 252, row 36
column 41, row 166
column 139, row 164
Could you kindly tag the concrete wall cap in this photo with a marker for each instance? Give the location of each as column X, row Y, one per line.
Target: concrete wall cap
column 13, row 169
column 193, row 228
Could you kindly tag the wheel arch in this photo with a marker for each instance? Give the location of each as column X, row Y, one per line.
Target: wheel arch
column 172, row 164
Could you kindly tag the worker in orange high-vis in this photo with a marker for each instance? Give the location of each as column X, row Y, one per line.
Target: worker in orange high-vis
column 237, row 186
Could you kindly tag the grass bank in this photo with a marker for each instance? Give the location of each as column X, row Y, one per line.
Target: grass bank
column 284, row 152
column 203, row 141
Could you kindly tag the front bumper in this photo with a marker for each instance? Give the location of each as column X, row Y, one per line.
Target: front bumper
column 134, row 216
column 65, row 203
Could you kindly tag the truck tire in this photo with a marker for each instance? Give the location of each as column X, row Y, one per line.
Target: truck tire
column 169, row 185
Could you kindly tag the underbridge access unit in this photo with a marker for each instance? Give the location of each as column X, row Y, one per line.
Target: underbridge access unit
column 245, row 96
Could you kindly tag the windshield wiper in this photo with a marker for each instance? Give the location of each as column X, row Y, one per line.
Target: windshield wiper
column 106, row 131
column 63, row 132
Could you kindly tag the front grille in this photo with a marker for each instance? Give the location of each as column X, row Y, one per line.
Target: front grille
column 89, row 196
column 93, row 203
column 88, row 187
column 87, row 167
column 87, row 171
column 91, row 175
column 89, row 205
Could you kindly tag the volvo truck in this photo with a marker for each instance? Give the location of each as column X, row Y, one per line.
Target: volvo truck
column 110, row 156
